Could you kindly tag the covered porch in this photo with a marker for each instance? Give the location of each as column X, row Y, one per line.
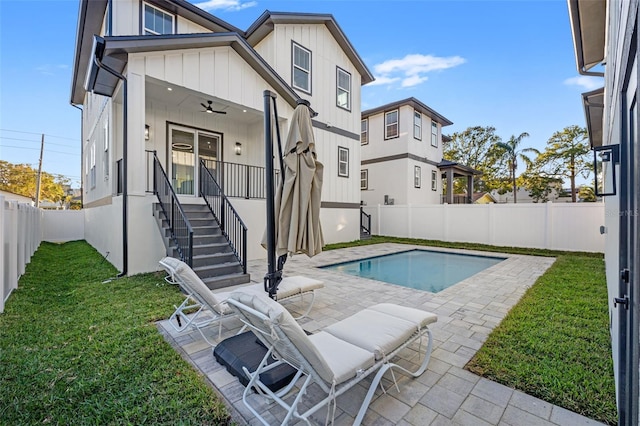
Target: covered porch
column 450, row 171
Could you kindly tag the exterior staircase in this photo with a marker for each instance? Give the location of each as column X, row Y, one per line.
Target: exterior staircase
column 213, row 259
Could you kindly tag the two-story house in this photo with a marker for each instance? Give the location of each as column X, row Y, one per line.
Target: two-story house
column 172, row 102
column 401, row 153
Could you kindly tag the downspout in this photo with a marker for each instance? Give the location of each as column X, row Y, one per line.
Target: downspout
column 81, row 150
column 125, row 237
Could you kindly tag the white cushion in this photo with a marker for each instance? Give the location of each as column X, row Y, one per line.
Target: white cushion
column 373, row 331
column 279, row 316
column 291, row 286
column 417, row 316
column 194, row 286
column 344, row 359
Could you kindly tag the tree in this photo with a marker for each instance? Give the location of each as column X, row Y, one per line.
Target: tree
column 539, row 185
column 587, row 194
column 567, row 155
column 476, row 147
column 21, row 179
column 512, row 153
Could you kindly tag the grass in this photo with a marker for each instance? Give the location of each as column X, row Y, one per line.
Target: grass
column 75, row 350
column 554, row 344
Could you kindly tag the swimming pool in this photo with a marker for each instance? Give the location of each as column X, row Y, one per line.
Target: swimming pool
column 420, row 269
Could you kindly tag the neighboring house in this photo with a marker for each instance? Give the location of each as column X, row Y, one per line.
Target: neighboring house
column 10, row 196
column 165, row 86
column 401, row 153
column 483, row 198
column 607, row 31
column 402, row 157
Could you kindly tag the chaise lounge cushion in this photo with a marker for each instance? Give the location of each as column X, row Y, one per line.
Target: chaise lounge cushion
column 195, row 285
column 290, row 286
column 381, row 328
column 311, row 348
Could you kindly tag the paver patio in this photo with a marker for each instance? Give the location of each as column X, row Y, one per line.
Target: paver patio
column 445, row 393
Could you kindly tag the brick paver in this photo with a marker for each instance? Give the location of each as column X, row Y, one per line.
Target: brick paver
column 445, row 393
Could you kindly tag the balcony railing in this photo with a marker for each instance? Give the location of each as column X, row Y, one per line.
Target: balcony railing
column 238, row 180
column 365, row 222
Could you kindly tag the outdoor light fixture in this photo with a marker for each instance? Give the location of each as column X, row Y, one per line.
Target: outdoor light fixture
column 147, row 130
column 238, row 148
column 605, row 159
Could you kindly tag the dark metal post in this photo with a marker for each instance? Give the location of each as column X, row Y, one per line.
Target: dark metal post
column 270, row 201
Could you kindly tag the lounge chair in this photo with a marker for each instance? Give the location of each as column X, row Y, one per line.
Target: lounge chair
column 335, row 358
column 199, row 298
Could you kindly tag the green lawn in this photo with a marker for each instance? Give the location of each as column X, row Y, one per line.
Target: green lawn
column 554, row 344
column 75, row 350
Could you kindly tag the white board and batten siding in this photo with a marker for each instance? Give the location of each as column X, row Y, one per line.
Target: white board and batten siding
column 127, row 21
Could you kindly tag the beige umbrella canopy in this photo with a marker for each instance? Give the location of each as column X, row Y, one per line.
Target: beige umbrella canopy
column 297, row 203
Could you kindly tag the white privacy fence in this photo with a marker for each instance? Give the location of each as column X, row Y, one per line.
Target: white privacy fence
column 22, row 229
column 560, row 226
column 20, row 235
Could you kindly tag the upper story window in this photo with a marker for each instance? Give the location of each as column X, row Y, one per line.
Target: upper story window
column 343, row 89
column 364, row 132
column 434, row 134
column 417, row 125
column 391, row 124
column 364, row 179
column 157, row 21
column 343, row 161
column 301, row 73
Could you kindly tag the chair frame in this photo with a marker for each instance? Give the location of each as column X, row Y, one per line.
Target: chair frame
column 287, row 353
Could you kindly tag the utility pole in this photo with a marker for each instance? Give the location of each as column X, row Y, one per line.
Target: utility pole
column 39, row 172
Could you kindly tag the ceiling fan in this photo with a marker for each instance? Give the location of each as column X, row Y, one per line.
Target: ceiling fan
column 209, row 110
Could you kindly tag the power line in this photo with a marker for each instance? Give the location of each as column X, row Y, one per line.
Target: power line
column 49, row 150
column 31, row 140
column 34, row 133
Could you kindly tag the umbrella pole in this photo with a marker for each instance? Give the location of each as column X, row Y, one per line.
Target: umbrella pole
column 272, row 278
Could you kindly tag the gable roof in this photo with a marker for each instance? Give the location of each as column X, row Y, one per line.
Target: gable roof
column 90, row 19
column 413, row 102
column 117, row 49
column 265, row 24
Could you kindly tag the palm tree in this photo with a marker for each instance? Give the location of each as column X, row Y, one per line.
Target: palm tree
column 512, row 153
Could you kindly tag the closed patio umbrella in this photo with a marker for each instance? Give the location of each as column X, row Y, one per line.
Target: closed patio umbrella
column 296, row 218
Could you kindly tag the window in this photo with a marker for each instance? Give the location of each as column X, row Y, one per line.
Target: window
column 364, row 132
column 364, row 179
column 343, row 89
column 434, row 134
column 417, row 125
column 434, row 180
column 343, row 162
column 417, row 177
column 156, row 21
column 391, row 124
column 301, row 73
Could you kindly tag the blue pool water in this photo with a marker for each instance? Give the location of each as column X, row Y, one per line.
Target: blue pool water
column 420, row 269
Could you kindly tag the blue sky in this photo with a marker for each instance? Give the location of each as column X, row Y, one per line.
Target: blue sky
column 507, row 64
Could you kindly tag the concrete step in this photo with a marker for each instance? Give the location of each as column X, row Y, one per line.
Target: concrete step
column 216, row 270
column 229, row 280
column 204, row 260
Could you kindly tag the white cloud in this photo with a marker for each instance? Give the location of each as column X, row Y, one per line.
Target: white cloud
column 584, row 81
column 411, row 69
column 50, row 69
column 230, row 5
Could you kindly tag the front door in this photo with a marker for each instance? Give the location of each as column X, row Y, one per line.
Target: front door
column 187, row 146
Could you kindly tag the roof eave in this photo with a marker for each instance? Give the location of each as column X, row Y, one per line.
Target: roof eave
column 588, row 28
column 413, row 102
column 593, row 103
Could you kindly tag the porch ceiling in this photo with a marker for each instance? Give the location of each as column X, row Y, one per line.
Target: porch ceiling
column 593, row 103
column 189, row 101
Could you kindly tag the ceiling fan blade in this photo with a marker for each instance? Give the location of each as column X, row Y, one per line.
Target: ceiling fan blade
column 203, row 105
column 219, row 112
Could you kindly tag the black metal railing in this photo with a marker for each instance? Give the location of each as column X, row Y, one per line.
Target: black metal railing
column 232, row 227
column 119, row 177
column 365, row 222
column 457, row 199
column 181, row 230
column 238, row 180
